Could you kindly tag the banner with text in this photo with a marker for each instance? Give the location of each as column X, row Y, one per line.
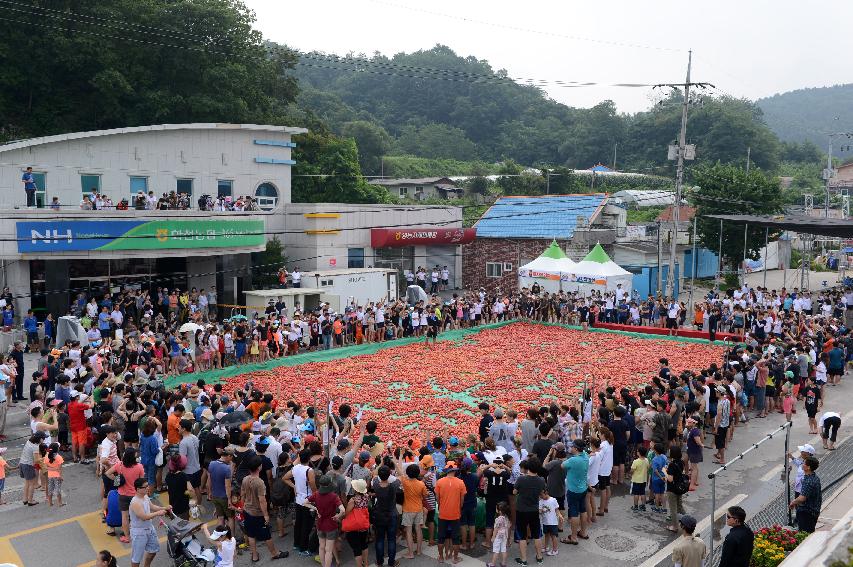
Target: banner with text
column 396, row 238
column 71, row 236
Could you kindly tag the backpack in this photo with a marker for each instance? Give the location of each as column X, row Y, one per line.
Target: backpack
column 280, row 493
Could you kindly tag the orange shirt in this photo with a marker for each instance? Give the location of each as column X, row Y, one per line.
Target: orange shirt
column 450, row 491
column 173, row 429
column 54, row 468
column 414, row 492
column 337, row 326
column 255, row 409
column 2, row 468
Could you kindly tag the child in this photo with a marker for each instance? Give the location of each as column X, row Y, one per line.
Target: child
column 113, row 518
column 500, row 535
column 2, row 474
column 225, row 544
column 549, row 517
column 788, row 402
column 63, row 422
column 658, row 478
column 53, row 464
column 639, row 478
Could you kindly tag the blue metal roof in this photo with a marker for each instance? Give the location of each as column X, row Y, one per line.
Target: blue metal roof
column 538, row 217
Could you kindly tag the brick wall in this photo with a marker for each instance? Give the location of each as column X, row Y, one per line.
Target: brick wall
column 505, row 251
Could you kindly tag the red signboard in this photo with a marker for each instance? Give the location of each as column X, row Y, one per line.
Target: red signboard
column 396, row 237
column 333, row 261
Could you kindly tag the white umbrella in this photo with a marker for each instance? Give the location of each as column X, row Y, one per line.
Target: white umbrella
column 189, row 328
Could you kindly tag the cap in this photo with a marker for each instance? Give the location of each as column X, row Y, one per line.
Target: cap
column 559, row 447
column 688, row 522
column 427, row 462
column 467, row 463
column 364, row 456
column 579, row 444
column 74, row 393
column 807, row 448
column 256, row 426
column 454, row 440
column 359, row 485
column 721, row 389
column 498, row 460
column 295, row 439
column 343, row 444
column 648, row 402
column 450, row 467
column 326, row 484
column 215, row 535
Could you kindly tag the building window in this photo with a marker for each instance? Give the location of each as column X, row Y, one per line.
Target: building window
column 494, row 269
column 184, row 186
column 419, row 190
column 138, row 185
column 224, row 188
column 355, row 258
column 90, row 183
column 40, row 180
column 404, row 191
column 267, row 196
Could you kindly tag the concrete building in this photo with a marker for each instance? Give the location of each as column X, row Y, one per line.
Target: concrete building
column 515, row 230
column 50, row 255
column 320, row 236
column 421, row 188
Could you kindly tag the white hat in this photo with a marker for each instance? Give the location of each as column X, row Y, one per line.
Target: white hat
column 75, row 393
column 806, row 449
column 215, row 535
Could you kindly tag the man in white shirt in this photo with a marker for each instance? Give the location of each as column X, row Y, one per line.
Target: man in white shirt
column 92, row 309
column 296, row 277
column 445, row 278
column 434, row 281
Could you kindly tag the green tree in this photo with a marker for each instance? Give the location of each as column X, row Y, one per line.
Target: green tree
column 436, row 141
column 516, row 181
column 372, row 142
column 265, row 264
column 327, row 171
column 77, row 66
column 727, row 189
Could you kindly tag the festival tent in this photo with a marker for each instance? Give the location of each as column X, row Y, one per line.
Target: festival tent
column 598, row 271
column 547, row 269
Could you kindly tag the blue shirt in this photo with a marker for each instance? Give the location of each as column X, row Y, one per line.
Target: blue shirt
column 576, row 468
column 836, row 358
column 219, row 474
column 48, row 328
column 104, row 321
column 29, row 181
column 197, row 411
column 31, row 324
column 658, row 464
column 8, row 317
column 440, row 460
column 472, row 484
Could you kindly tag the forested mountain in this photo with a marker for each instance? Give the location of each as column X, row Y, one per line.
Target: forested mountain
column 437, row 104
column 808, row 114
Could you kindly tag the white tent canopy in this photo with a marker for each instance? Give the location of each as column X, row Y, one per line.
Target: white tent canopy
column 547, row 269
column 598, row 271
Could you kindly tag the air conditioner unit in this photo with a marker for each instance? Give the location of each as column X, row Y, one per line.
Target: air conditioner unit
column 507, row 267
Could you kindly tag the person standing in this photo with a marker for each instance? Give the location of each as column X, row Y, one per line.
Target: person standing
column 30, row 187
column 576, row 468
column 385, row 516
column 256, row 516
column 528, row 487
column 188, row 447
column 144, row 544
column 737, row 547
column 450, row 493
column 689, row 550
column 809, row 501
column 17, row 355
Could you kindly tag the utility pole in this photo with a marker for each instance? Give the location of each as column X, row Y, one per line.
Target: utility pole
column 681, row 155
column 547, row 181
column 615, row 145
column 748, row 151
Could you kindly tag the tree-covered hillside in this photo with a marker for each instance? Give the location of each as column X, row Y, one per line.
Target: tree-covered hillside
column 808, row 114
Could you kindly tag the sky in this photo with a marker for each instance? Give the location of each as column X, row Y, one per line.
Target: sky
column 745, row 48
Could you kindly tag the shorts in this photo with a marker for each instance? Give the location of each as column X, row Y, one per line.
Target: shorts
column 380, row 325
column 328, row 535
column 499, row 546
column 527, row 522
column 550, row 530
column 468, row 514
column 79, row 438
column 195, row 479
column 658, row 486
column 2, row 484
column 638, row 488
column 619, row 454
column 124, row 502
column 142, row 541
column 603, row 482
column 358, row 541
column 54, row 487
column 835, row 371
column 256, row 527
column 221, row 509
column 449, row 529
column 576, row 503
column 770, row 391
column 720, row 438
column 413, row 518
column 430, row 517
column 28, row 472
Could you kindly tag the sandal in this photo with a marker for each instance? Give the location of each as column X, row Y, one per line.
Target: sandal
column 281, row 555
column 254, row 560
column 583, row 536
column 569, row 541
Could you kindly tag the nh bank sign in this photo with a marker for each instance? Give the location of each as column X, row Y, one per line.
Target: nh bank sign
column 71, row 236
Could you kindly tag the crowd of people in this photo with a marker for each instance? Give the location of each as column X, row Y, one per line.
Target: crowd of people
column 543, row 476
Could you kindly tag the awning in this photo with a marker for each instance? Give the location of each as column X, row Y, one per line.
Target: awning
column 838, row 228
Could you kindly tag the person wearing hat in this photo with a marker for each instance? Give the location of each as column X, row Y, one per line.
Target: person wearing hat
column 330, row 510
column 693, row 436
column 805, row 451
column 358, row 540
column 226, row 545
column 689, row 550
column 450, row 493
column 721, row 424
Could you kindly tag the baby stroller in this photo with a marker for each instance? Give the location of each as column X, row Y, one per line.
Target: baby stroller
column 183, row 546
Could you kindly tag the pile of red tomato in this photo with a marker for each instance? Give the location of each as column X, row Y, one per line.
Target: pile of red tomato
column 414, row 390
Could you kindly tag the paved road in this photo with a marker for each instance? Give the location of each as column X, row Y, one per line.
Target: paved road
column 39, row 535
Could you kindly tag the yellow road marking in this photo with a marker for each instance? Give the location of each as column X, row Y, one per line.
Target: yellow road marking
column 48, row 526
column 96, row 531
column 8, row 553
